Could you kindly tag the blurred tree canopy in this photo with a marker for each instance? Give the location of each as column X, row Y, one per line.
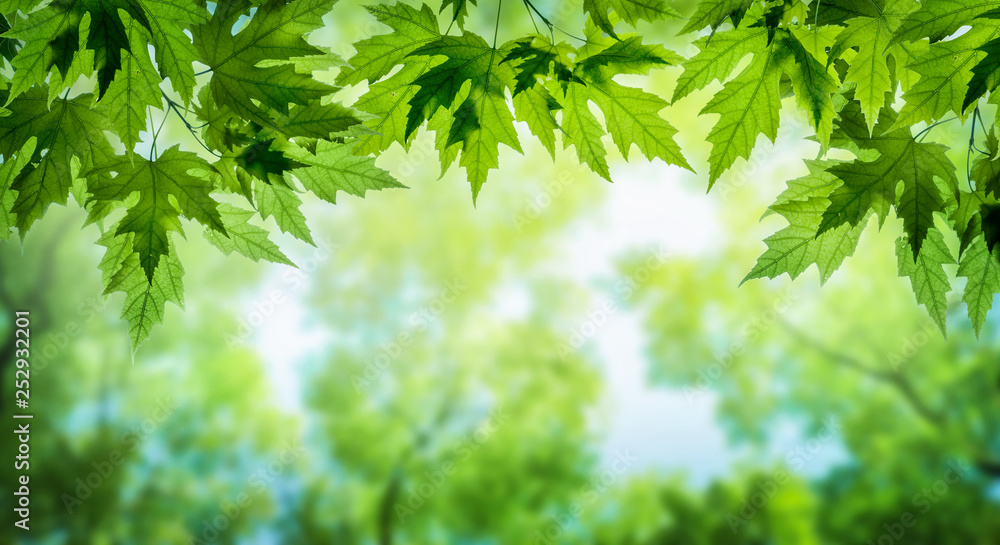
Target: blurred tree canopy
column 264, row 111
column 428, row 398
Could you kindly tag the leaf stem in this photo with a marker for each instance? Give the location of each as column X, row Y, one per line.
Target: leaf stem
column 152, row 149
column 192, row 129
column 982, row 124
column 496, row 28
column 972, row 145
column 531, row 7
column 550, row 24
column 921, row 133
column 532, row 17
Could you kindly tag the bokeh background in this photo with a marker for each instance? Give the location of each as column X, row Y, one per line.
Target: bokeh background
column 568, row 362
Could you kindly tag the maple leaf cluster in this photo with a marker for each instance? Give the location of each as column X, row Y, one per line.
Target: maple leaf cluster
column 865, row 73
column 469, row 92
column 89, row 84
column 267, row 128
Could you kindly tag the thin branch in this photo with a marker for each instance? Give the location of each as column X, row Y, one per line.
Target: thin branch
column 989, row 467
column 921, row 133
column 896, row 379
column 531, row 16
column 386, row 504
column 192, row 129
column 496, row 27
column 152, row 148
column 982, row 124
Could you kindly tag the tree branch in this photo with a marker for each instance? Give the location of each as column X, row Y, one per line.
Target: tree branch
column 902, row 385
column 385, row 506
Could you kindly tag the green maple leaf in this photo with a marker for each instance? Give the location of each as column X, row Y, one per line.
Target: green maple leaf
column 12, row 166
column 966, row 217
column 107, row 38
column 387, row 101
column 223, row 129
column 145, row 299
column 982, row 269
column 945, row 76
column 281, row 202
column 231, row 176
column 536, row 57
column 871, row 32
column 136, row 86
column 243, row 237
column 8, row 46
column 716, row 59
column 465, row 58
column 175, row 52
column 819, row 182
column 712, row 13
column 536, row 106
column 798, row 246
column 333, row 168
column 10, row 6
column 482, row 121
column 632, row 117
column 70, row 128
column 985, row 75
column 627, row 56
column 460, row 10
column 94, row 34
column 630, row 11
column 262, row 161
column 938, row 19
column 42, row 50
column 871, row 185
column 154, row 216
column 990, row 223
column 748, row 106
column 583, row 130
column 926, row 273
column 378, row 55
column 986, row 170
column 838, row 12
column 782, row 13
column 813, row 81
column 795, row 248
column 274, row 33
column 318, row 120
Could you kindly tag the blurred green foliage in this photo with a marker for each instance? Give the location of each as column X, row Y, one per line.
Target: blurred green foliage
column 409, row 383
